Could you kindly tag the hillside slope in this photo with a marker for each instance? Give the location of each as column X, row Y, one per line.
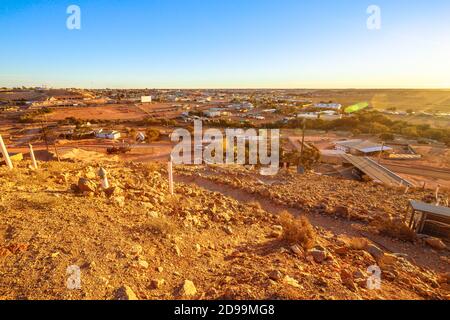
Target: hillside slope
column 136, row 241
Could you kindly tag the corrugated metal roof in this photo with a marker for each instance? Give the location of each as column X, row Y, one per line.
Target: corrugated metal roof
column 429, row 208
column 363, row 146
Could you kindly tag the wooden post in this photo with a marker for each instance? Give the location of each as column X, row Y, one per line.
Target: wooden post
column 56, row 152
column 303, row 139
column 379, row 156
column 5, row 153
column 424, row 185
column 33, row 159
column 104, row 177
column 437, row 194
column 407, row 189
column 170, row 170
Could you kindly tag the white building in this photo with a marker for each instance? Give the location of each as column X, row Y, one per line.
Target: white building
column 212, row 113
column 334, row 106
column 308, row 115
column 108, row 134
column 146, row 99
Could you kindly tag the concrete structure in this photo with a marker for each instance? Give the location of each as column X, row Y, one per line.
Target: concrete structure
column 375, row 171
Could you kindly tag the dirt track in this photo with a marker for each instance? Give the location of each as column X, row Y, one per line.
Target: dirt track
column 420, row 171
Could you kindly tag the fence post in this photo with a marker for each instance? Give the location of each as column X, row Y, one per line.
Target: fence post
column 437, row 194
column 104, row 177
column 170, row 171
column 33, row 158
column 5, row 153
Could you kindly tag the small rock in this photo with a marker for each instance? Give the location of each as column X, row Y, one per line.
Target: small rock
column 228, row 230
column 125, row 293
column 143, row 264
column 153, row 214
column 188, row 289
column 435, row 243
column 342, row 250
column 347, row 280
column 341, row 211
column 277, row 228
column 160, row 269
column 297, row 250
column 119, row 201
column 275, row 275
column 177, row 250
column 136, row 249
column 376, row 252
column 291, row 281
column 157, row 283
column 318, row 255
column 112, row 191
column 85, row 185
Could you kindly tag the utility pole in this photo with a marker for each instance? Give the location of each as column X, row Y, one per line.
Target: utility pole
column 303, row 139
column 44, row 135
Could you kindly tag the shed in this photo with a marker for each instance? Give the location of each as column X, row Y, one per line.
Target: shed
column 429, row 219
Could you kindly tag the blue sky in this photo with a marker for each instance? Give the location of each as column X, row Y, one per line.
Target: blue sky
column 225, row 44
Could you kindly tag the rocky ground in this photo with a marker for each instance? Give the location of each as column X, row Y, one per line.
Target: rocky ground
column 367, row 202
column 134, row 241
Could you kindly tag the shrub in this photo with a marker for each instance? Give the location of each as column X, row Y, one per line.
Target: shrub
column 297, row 230
column 152, row 134
column 395, row 229
column 387, row 136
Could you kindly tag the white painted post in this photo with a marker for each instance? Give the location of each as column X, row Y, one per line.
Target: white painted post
column 104, row 177
column 33, row 159
column 5, row 153
column 170, row 170
column 437, row 194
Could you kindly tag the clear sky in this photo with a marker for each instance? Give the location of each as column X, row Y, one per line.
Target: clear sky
column 225, row 44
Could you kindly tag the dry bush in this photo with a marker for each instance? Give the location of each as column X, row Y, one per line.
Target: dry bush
column 395, row 229
column 160, row 226
column 297, row 230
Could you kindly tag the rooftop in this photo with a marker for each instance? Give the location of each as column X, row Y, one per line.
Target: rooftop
column 364, row 146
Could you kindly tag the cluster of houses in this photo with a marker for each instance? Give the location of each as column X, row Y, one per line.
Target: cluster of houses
column 227, row 111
